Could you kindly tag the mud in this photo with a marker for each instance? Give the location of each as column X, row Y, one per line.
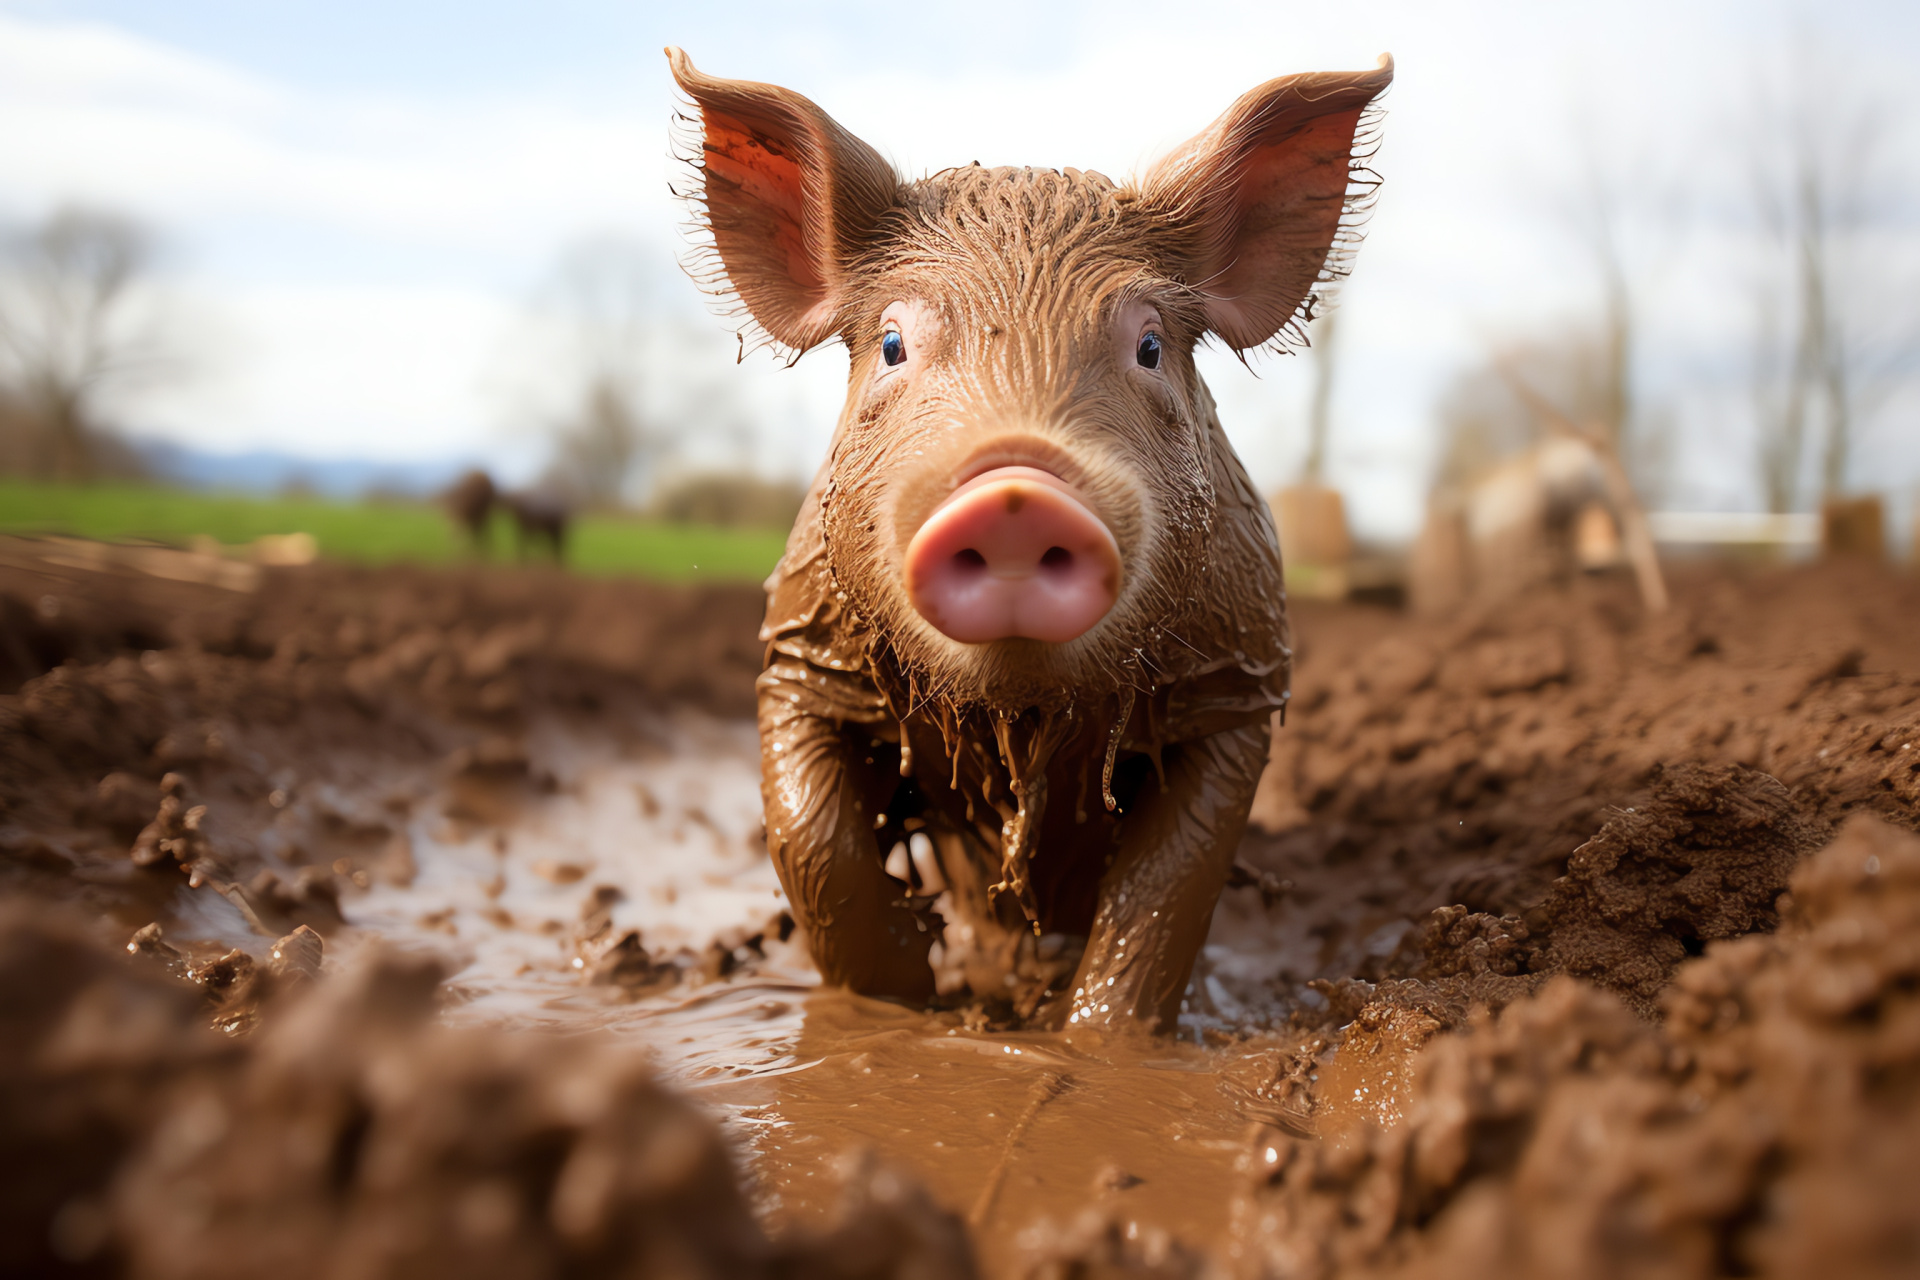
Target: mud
column 349, row 1135
column 397, row 922
column 1766, row 1125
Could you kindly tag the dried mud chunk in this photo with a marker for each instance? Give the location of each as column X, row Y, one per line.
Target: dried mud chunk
column 147, row 944
column 125, row 803
column 1398, row 666
column 87, row 1037
column 362, row 1139
column 312, row 899
column 428, row 1153
column 1704, row 859
column 1102, row 1245
column 1455, row 942
column 1360, row 1196
column 884, row 1227
column 627, row 965
column 1461, row 959
column 296, row 957
column 174, row 832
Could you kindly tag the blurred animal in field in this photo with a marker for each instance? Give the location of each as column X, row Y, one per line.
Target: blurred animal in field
column 540, row 520
column 470, row 502
column 1557, row 509
column 1027, row 639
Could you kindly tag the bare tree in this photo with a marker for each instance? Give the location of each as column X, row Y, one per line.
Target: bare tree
column 67, row 333
column 598, row 448
column 612, row 364
column 1612, row 210
column 1825, row 355
column 604, row 298
column 1598, row 219
column 1486, row 419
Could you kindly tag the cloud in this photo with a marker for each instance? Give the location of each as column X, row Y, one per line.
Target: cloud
column 367, row 253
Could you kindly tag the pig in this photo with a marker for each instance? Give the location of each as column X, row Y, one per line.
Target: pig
column 539, row 516
column 1562, row 507
column 1030, row 629
column 470, row 502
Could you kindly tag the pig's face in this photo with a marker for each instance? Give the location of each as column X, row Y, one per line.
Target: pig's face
column 1019, row 495
column 1020, row 500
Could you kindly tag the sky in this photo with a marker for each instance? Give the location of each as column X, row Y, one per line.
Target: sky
column 360, row 202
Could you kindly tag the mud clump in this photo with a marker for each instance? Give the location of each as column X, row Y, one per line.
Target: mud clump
column 1099, row 1247
column 1703, row 860
column 427, row 1154
column 1771, row 1126
column 350, row 1135
column 88, row 1040
column 1463, row 760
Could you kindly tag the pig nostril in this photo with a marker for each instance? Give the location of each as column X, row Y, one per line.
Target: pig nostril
column 1013, row 553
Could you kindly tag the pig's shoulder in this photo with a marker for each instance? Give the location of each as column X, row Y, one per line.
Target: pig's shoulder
column 1234, row 663
column 1229, row 696
column 815, row 656
column 800, row 589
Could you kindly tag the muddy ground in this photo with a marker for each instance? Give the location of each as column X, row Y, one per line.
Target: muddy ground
column 403, row 922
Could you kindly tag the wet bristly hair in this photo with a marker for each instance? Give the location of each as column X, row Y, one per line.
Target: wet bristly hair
column 1026, row 268
column 804, row 234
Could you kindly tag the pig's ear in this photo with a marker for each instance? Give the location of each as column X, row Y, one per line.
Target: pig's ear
column 1266, row 203
column 787, row 196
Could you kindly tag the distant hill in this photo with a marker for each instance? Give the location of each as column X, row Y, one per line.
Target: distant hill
column 271, row 471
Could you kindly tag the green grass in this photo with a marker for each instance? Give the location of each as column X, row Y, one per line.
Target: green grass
column 376, row 532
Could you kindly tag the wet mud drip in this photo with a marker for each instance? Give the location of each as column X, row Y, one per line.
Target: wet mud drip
column 1114, row 735
column 1026, row 744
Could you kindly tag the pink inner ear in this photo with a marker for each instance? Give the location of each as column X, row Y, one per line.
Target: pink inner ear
column 1300, row 181
column 756, row 205
column 1287, row 206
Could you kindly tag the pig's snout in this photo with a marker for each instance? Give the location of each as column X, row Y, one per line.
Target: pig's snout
column 1014, row 551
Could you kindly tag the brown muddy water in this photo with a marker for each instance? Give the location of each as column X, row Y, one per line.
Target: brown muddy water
column 1016, row 1131
column 1568, row 942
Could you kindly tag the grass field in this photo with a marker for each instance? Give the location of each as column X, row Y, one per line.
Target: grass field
column 376, row 532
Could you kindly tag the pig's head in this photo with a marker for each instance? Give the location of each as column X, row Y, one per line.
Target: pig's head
column 1021, row 496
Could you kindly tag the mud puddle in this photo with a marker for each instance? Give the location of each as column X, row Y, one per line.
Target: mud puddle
column 527, row 891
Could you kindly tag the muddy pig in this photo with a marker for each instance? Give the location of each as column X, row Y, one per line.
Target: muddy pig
column 1029, row 631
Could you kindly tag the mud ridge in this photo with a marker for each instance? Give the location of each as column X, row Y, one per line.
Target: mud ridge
column 1769, row 1126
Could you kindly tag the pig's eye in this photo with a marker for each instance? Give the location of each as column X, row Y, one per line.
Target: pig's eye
column 893, row 347
column 1148, row 352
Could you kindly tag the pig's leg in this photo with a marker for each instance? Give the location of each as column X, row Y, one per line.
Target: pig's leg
column 820, row 794
column 1157, row 898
